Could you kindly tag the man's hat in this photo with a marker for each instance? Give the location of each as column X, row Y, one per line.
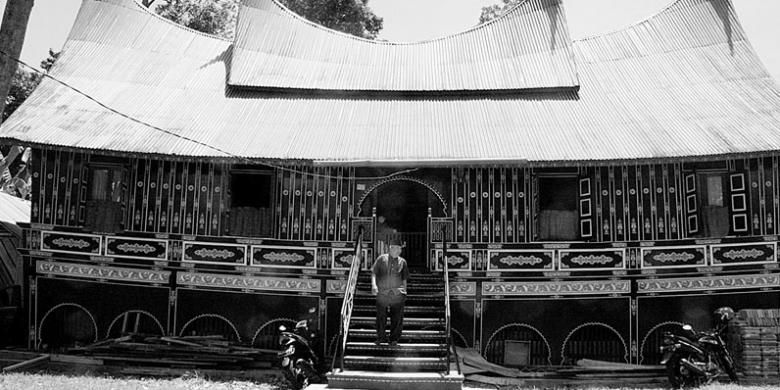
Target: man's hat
column 395, row 241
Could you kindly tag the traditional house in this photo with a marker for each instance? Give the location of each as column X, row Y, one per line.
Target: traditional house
column 593, row 193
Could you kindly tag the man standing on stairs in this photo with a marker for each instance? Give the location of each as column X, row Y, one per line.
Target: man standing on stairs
column 388, row 282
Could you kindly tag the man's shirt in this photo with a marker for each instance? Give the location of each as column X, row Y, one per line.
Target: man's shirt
column 390, row 272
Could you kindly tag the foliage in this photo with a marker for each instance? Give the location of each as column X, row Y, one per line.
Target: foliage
column 494, row 11
column 218, row 17
column 349, row 16
column 23, row 83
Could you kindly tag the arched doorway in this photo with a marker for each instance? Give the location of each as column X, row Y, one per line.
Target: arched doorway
column 402, row 209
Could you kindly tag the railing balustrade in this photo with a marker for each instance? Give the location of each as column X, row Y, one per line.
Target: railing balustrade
column 349, row 298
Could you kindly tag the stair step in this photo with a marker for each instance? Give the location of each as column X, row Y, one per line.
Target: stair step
column 393, row 363
column 408, row 321
column 402, row 349
column 429, row 310
column 407, row 336
column 371, row 380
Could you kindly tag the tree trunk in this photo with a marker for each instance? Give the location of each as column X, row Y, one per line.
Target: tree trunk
column 15, row 18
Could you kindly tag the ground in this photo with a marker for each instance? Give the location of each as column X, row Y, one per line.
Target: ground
column 47, row 381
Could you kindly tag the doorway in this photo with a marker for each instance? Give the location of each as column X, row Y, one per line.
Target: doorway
column 402, row 213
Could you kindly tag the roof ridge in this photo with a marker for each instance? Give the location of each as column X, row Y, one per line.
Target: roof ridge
column 476, row 27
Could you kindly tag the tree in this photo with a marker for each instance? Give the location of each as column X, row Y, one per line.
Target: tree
column 218, row 17
column 14, row 159
column 15, row 18
column 494, row 11
column 23, row 83
column 349, row 16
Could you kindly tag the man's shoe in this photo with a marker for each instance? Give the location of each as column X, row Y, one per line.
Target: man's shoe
column 393, row 343
column 380, row 341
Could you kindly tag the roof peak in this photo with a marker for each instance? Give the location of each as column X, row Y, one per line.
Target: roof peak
column 528, row 48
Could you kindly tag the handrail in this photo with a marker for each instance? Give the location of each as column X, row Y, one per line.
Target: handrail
column 349, row 297
column 447, row 321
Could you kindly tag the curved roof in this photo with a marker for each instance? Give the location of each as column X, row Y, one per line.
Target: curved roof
column 528, row 48
column 684, row 84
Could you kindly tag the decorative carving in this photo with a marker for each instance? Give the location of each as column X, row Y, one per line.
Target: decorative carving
column 663, row 257
column 557, row 288
column 282, row 257
column 463, row 288
column 287, row 257
column 743, row 253
column 335, row 286
column 726, row 282
column 102, row 272
column 136, row 248
column 249, row 282
column 70, row 243
column 520, row 260
column 212, row 253
column 592, row 259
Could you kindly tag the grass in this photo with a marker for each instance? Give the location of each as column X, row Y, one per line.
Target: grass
column 48, row 381
column 90, row 381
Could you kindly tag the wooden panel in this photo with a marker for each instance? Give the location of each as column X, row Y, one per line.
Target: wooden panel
column 213, row 253
column 520, row 260
column 671, row 257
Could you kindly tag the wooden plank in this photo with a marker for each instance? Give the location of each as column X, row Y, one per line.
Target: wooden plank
column 74, row 359
column 27, row 364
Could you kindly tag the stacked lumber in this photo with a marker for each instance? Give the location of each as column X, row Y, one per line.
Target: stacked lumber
column 754, row 339
column 207, row 352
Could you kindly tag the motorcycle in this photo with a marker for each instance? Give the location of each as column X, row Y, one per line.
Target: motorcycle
column 698, row 358
column 298, row 360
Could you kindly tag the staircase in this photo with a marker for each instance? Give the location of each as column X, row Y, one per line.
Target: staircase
column 420, row 360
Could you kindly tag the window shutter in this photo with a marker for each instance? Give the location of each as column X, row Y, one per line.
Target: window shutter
column 585, row 208
column 738, row 204
column 691, row 204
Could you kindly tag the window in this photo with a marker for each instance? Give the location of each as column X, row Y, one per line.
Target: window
column 558, row 212
column 251, row 203
column 714, row 211
column 106, row 197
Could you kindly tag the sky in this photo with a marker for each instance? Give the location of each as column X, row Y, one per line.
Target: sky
column 415, row 20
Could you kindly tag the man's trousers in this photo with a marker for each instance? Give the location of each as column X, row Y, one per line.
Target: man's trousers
column 395, row 302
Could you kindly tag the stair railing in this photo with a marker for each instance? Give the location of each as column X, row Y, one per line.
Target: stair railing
column 349, row 298
column 447, row 321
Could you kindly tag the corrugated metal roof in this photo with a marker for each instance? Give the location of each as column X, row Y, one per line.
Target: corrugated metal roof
column 528, row 48
column 682, row 84
column 13, row 209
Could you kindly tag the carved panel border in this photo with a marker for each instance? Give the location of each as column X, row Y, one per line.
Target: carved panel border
column 100, row 272
column 567, row 287
column 727, row 282
column 245, row 282
column 463, row 288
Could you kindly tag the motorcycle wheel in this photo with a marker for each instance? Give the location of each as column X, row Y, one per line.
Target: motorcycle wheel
column 677, row 377
column 306, row 373
column 729, row 368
